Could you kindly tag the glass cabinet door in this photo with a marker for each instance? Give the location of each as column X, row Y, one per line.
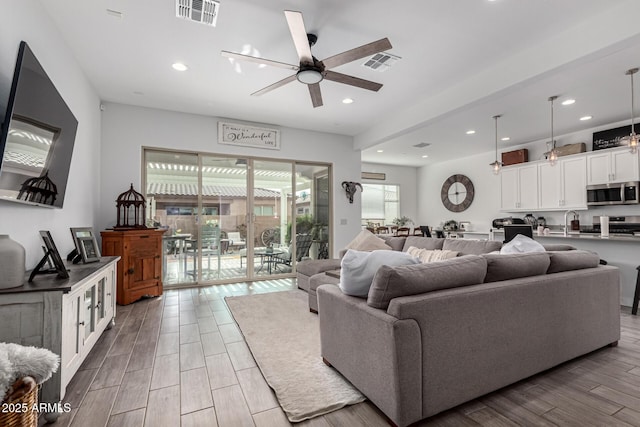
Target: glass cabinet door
column 100, row 303
column 89, row 312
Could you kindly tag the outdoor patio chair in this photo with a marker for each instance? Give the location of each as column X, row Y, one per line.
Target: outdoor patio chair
column 235, row 241
column 303, row 244
column 211, row 245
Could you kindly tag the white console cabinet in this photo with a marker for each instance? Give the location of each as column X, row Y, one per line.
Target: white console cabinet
column 66, row 316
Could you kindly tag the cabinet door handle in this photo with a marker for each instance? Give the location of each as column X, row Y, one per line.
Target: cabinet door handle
column 80, row 323
column 98, row 305
column 130, row 271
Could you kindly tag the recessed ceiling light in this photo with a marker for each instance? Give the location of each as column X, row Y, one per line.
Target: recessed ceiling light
column 179, row 66
column 506, row 138
column 347, row 101
column 585, row 118
column 380, row 151
column 137, row 92
column 471, row 132
column 568, row 101
column 425, row 156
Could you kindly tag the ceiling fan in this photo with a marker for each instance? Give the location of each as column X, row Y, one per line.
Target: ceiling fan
column 311, row 71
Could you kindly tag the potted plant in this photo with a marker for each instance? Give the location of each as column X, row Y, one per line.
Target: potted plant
column 402, row 221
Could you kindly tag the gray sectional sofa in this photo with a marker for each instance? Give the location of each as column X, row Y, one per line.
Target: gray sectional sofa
column 432, row 336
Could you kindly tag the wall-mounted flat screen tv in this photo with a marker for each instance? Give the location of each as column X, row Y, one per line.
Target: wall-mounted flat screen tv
column 37, row 137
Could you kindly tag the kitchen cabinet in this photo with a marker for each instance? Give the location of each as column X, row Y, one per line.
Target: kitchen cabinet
column 140, row 266
column 66, row 316
column 563, row 186
column 519, row 187
column 613, row 165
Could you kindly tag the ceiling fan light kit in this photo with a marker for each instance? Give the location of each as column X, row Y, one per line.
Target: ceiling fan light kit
column 310, row 71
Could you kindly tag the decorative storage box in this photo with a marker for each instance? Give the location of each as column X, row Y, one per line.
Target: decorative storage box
column 515, row 157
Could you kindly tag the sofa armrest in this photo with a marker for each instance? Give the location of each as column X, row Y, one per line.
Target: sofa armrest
column 379, row 354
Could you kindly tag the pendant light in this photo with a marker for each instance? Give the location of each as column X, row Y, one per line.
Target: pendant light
column 496, row 165
column 633, row 138
column 553, row 154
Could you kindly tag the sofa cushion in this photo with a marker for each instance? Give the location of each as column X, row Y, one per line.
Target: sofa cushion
column 428, row 255
column 358, row 269
column 396, row 243
column 521, row 244
column 513, row 266
column 423, row 243
column 558, row 247
column 367, row 241
column 392, row 282
column 314, row 266
column 572, row 260
column 471, row 247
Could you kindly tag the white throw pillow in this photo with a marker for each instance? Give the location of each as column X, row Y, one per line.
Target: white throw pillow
column 521, row 244
column 431, row 255
column 358, row 268
column 367, row 241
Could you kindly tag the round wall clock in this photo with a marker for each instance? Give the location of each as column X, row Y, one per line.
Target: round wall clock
column 457, row 193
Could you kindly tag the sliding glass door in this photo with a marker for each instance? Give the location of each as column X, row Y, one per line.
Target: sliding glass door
column 231, row 219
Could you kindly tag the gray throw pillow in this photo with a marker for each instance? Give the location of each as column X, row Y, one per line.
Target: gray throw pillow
column 572, row 260
column 392, row 282
column 513, row 266
column 358, row 268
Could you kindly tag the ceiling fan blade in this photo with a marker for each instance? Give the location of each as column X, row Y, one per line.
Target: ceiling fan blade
column 316, row 96
column 353, row 81
column 357, row 53
column 257, row 60
column 299, row 35
column 276, row 85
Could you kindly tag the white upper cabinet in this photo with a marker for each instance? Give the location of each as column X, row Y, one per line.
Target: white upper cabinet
column 519, row 187
column 613, row 165
column 563, row 186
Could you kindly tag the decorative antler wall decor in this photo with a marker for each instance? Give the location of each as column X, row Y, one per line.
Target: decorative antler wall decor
column 350, row 188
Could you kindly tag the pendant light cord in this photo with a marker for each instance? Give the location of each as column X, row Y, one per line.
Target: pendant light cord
column 632, row 102
column 553, row 142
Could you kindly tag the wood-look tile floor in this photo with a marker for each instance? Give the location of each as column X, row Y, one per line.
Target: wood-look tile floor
column 180, row 360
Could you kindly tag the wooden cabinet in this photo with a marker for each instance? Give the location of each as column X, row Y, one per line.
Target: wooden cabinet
column 140, row 265
column 66, row 316
column 563, row 186
column 614, row 165
column 519, row 188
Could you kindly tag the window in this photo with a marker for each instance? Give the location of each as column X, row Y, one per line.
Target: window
column 263, row 210
column 380, row 203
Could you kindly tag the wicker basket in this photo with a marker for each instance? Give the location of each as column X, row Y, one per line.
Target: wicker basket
column 18, row 411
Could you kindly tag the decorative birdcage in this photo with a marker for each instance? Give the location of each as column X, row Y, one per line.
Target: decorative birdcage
column 131, row 210
column 39, row 190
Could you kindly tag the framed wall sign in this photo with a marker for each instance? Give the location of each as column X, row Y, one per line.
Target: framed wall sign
column 611, row 138
column 248, row 136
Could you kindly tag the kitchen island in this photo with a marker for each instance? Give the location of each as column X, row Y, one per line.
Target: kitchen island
column 622, row 251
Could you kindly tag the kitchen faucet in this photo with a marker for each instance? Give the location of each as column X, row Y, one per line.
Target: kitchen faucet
column 566, row 215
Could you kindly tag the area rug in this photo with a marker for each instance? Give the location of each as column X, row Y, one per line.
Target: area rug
column 284, row 338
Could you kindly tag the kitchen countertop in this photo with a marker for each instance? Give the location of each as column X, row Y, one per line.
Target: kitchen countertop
column 572, row 235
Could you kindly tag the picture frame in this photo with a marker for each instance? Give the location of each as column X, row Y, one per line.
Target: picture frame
column 53, row 255
column 85, row 243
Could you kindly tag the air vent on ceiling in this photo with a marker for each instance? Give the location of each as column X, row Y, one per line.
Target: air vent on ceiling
column 422, row 145
column 202, row 11
column 381, row 61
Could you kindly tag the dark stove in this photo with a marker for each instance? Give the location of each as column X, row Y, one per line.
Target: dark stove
column 617, row 225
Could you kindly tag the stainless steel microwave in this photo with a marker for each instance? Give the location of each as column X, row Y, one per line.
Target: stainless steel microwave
column 624, row 193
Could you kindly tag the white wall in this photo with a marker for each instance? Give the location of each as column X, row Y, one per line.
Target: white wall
column 404, row 176
column 27, row 20
column 126, row 129
column 486, row 202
